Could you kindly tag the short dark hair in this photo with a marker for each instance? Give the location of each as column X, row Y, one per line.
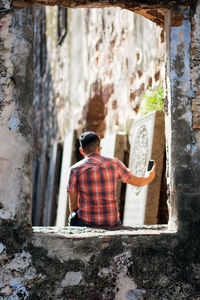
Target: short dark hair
column 89, row 141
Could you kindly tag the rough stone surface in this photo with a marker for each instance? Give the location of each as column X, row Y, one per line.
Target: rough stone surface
column 4, row 7
column 71, row 278
column 120, row 264
column 159, row 264
column 16, row 114
column 184, row 142
column 195, row 65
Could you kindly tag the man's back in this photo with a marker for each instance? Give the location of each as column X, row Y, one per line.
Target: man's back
column 95, row 181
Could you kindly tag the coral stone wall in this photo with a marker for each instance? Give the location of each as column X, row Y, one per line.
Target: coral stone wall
column 97, row 74
column 184, row 114
column 16, row 95
column 125, row 56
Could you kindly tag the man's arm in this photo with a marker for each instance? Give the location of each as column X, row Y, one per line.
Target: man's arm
column 141, row 181
column 73, row 201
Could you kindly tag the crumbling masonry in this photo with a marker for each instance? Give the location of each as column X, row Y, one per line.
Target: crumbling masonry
column 142, row 263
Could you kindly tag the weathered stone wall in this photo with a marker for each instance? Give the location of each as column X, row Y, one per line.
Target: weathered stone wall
column 64, row 264
column 72, row 264
column 16, row 93
column 125, row 56
column 4, row 7
column 195, row 65
column 183, row 132
column 97, row 75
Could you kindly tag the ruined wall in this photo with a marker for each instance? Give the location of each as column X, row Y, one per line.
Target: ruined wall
column 195, row 65
column 125, row 56
column 141, row 264
column 83, row 264
column 97, row 74
column 16, row 93
column 184, row 114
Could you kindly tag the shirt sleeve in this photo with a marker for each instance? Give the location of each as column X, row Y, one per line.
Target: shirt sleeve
column 123, row 172
column 72, row 186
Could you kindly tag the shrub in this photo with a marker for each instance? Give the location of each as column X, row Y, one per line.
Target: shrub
column 152, row 99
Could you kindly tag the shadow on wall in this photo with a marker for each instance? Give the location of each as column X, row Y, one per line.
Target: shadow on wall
column 95, row 111
column 47, row 152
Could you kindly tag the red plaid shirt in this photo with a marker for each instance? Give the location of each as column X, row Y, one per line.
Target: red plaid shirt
column 95, row 180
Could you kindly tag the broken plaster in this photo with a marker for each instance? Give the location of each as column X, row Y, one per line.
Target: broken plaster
column 14, row 122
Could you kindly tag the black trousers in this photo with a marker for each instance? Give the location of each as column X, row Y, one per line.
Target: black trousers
column 74, row 220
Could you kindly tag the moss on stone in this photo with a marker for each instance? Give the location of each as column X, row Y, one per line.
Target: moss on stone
column 14, row 236
column 52, row 271
column 114, row 248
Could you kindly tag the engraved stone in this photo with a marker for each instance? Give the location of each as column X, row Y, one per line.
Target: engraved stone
column 147, row 142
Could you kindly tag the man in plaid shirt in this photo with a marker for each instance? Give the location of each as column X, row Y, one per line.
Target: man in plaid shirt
column 92, row 185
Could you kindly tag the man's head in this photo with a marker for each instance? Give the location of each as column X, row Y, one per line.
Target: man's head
column 89, row 143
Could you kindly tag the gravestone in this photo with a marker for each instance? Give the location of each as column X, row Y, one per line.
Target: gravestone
column 68, row 159
column 35, row 171
column 53, row 179
column 115, row 145
column 40, row 189
column 147, row 142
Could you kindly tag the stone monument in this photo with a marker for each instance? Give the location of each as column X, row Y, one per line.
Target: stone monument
column 115, row 145
column 52, row 187
column 68, row 159
column 147, row 142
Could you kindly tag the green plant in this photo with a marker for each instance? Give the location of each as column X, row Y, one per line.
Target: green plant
column 152, row 99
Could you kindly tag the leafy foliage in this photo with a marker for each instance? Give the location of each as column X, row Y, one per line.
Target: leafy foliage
column 152, row 99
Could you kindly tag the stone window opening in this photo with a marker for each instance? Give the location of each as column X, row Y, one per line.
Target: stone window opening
column 60, row 263
column 90, row 124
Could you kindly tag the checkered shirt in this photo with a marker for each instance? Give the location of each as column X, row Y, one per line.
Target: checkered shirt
column 95, row 180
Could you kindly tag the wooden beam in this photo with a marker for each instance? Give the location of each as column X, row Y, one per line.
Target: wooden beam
column 133, row 5
column 153, row 10
column 155, row 15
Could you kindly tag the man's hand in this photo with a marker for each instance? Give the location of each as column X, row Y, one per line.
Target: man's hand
column 141, row 181
column 152, row 173
column 73, row 202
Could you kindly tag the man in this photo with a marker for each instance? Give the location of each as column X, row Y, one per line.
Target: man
column 92, row 185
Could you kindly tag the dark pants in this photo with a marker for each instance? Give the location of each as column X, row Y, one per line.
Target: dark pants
column 75, row 221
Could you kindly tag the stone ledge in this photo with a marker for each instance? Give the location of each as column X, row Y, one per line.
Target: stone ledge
column 84, row 232
column 81, row 242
